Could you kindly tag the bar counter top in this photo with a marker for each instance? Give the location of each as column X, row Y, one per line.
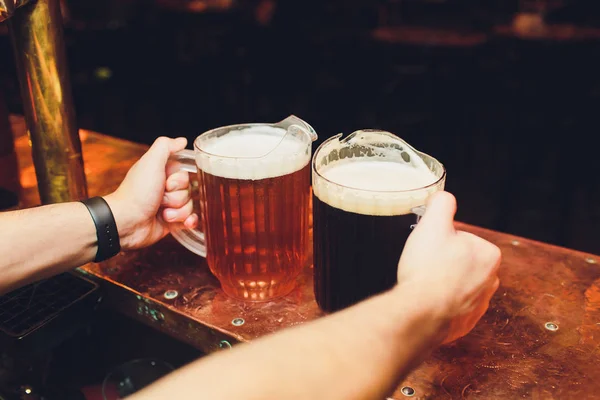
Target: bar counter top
column 540, row 338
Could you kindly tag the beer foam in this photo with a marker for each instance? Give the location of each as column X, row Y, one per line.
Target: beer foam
column 375, row 186
column 254, row 153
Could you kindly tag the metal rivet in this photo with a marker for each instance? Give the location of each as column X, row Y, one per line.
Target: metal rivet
column 238, row 321
column 224, row 344
column 590, row 260
column 551, row 326
column 515, row 243
column 408, row 391
column 171, row 294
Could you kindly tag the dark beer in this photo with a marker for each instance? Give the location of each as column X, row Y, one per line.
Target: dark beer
column 355, row 255
column 254, row 213
column 364, row 204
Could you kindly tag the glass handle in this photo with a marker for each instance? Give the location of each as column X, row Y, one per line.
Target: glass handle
column 192, row 239
column 419, row 212
column 293, row 120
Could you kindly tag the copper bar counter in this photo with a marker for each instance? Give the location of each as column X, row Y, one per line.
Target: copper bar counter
column 540, row 338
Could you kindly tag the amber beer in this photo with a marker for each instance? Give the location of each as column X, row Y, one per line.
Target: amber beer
column 254, row 211
column 364, row 206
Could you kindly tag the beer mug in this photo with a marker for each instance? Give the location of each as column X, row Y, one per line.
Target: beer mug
column 369, row 191
column 254, row 187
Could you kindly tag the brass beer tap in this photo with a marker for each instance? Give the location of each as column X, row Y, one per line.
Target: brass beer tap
column 37, row 37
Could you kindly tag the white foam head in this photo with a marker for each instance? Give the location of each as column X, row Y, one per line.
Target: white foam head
column 256, row 152
column 381, row 183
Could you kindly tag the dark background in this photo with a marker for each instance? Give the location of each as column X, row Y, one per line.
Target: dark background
column 504, row 93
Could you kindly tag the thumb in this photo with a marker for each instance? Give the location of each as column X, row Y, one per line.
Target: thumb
column 439, row 215
column 162, row 149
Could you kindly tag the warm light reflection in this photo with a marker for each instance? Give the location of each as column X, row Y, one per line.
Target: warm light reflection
column 529, row 24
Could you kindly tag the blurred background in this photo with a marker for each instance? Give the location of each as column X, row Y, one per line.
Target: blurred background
column 503, row 92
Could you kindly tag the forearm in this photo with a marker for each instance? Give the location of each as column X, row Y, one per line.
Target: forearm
column 39, row 242
column 360, row 353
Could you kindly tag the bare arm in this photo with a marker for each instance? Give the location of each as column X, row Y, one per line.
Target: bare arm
column 360, row 353
column 40, row 242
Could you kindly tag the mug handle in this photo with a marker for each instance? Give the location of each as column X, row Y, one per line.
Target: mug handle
column 192, row 239
column 419, row 212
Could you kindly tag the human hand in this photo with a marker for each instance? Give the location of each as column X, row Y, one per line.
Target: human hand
column 453, row 273
column 152, row 183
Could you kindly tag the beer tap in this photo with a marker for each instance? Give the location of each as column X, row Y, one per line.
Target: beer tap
column 38, row 42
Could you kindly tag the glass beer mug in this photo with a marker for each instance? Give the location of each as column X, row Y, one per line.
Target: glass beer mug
column 369, row 190
column 254, row 186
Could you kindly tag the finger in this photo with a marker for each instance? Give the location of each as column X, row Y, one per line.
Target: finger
column 439, row 215
column 462, row 325
column 486, row 253
column 177, row 181
column 176, row 199
column 483, row 300
column 163, row 147
column 493, row 256
column 178, row 214
column 191, row 222
column 487, row 296
column 173, row 167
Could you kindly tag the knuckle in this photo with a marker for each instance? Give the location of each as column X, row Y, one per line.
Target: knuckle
column 494, row 252
column 183, row 176
column 182, row 199
column 177, row 199
column 161, row 140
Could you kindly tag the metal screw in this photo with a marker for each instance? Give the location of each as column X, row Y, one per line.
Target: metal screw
column 551, row 326
column 408, row 391
column 515, row 243
column 238, row 321
column 171, row 294
column 224, row 344
column 590, row 260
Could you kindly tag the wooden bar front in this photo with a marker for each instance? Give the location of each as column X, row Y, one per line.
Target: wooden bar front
column 540, row 338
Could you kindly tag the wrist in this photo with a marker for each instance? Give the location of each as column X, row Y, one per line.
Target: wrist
column 422, row 312
column 126, row 224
